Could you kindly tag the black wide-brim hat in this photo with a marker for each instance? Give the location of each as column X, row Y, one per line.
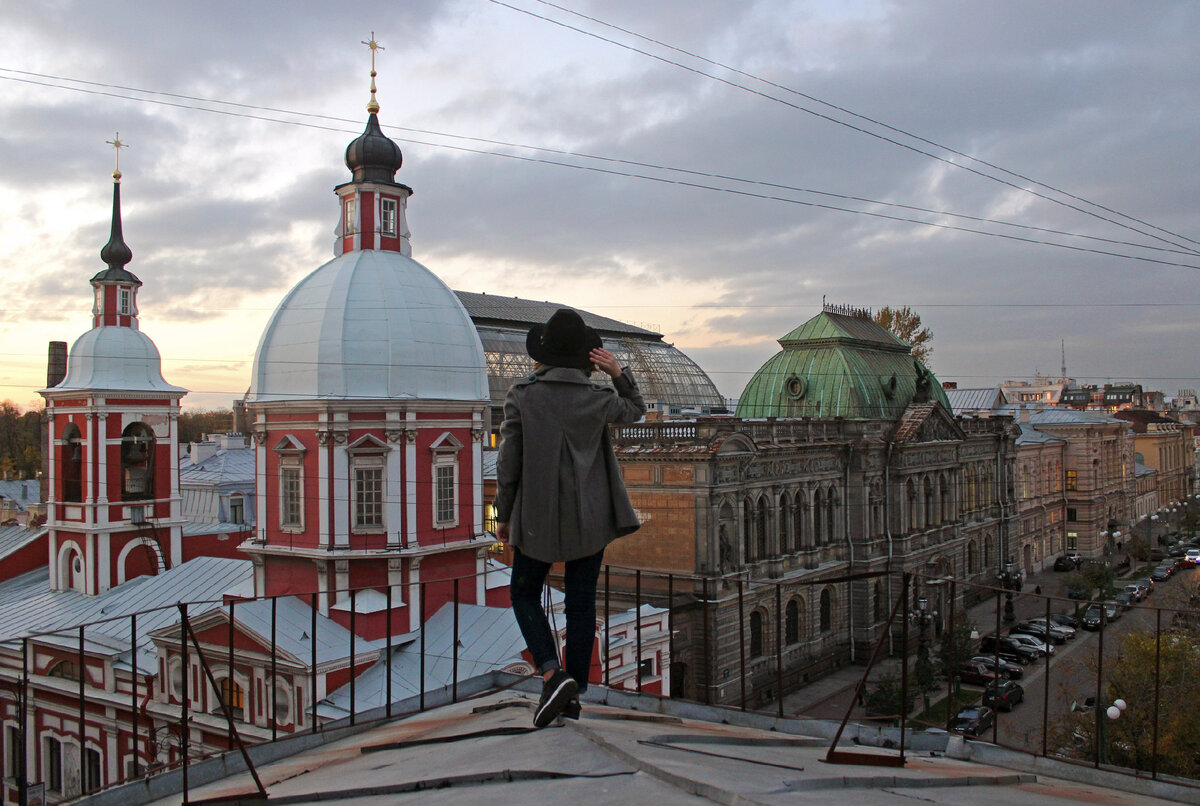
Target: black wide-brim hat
column 564, row 341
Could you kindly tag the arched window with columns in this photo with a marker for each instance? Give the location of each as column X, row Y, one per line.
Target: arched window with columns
column 826, row 609
column 758, row 626
column 803, row 535
column 749, row 542
column 762, row 528
column 818, row 507
column 784, row 523
column 831, row 504
column 910, row 506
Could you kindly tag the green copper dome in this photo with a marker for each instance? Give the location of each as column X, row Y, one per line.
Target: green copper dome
column 839, row 364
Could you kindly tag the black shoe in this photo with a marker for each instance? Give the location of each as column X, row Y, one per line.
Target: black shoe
column 571, row 709
column 559, row 690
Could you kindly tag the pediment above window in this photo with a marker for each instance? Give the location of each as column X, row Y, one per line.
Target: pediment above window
column 289, row 445
column 446, row 443
column 368, row 444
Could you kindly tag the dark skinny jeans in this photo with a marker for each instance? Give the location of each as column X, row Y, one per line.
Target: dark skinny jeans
column 528, row 577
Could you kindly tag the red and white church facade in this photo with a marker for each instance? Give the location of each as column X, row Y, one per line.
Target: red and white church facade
column 368, row 407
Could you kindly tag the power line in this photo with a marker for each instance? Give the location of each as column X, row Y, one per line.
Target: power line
column 838, row 122
column 659, row 179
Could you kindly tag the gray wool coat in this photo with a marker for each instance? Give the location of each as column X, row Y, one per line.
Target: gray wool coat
column 559, row 488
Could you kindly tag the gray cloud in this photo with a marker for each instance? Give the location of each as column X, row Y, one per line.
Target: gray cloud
column 1095, row 98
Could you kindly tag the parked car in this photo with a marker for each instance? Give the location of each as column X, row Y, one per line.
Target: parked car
column 1091, row 617
column 1192, row 556
column 1145, row 583
column 1112, row 611
column 1003, row 695
column 973, row 720
column 1177, row 551
column 1039, row 629
column 1134, row 592
column 1065, row 564
column 1065, row 619
column 1010, row 669
column 1065, row 630
column 1033, row 642
column 1075, row 557
column 976, row 674
column 1161, row 574
column 1008, row 648
column 1125, row 600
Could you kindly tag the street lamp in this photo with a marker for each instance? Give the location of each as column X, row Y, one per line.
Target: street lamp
column 924, row 668
column 1010, row 581
column 1113, row 711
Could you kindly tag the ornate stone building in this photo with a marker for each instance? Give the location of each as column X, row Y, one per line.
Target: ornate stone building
column 789, row 524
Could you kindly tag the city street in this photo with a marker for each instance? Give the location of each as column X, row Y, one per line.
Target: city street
column 1071, row 676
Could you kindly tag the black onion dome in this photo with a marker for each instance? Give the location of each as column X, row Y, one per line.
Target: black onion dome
column 116, row 253
column 372, row 156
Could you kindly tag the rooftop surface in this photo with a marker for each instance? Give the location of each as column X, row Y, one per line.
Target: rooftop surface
column 629, row 749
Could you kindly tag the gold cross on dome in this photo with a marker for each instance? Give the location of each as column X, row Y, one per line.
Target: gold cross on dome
column 374, row 46
column 117, row 146
column 373, row 105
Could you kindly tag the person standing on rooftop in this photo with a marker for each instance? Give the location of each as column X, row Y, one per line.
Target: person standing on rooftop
column 560, row 497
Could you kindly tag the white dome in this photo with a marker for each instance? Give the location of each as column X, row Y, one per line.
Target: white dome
column 117, row 358
column 370, row 325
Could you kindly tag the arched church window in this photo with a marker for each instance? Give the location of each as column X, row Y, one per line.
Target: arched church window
column 71, row 464
column 137, row 462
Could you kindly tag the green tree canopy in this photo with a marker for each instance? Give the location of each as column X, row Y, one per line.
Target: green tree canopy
column 20, row 441
column 905, row 323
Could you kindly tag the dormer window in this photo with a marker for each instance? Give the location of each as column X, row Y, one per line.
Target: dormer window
column 388, row 217
column 350, row 223
column 124, row 301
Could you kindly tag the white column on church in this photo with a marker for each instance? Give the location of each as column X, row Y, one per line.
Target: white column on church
column 410, row 479
column 414, row 594
column 101, row 479
column 339, row 490
column 324, row 446
column 481, row 577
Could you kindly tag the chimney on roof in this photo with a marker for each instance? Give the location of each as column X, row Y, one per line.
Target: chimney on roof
column 200, row 451
column 1023, row 414
column 56, row 364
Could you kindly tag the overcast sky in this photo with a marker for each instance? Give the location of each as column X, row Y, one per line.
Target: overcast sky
column 225, row 210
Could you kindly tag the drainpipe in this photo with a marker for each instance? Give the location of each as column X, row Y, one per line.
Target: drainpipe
column 887, row 527
column 849, row 539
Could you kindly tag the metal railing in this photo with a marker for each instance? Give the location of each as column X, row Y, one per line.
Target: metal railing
column 731, row 642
